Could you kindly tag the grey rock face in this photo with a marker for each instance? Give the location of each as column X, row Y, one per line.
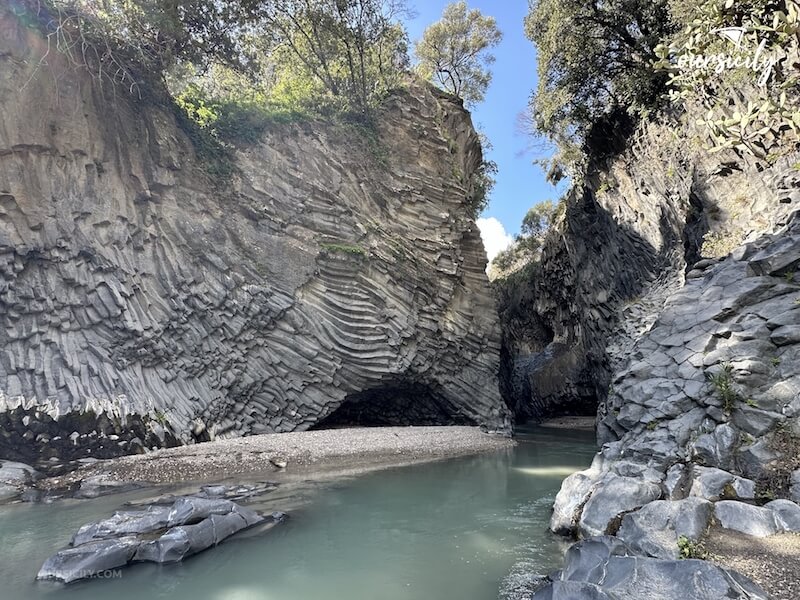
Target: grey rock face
column 787, row 514
column 667, row 420
column 654, row 530
column 716, row 484
column 746, row 518
column 575, row 491
column 609, row 267
column 123, row 523
column 614, row 496
column 604, row 567
column 160, row 534
column 676, row 483
column 142, row 306
column 716, row 449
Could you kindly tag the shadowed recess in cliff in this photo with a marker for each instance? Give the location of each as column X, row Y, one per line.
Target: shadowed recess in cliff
column 397, row 403
column 556, row 313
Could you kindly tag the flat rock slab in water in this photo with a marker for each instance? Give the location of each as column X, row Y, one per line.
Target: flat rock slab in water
column 236, row 493
column 159, row 534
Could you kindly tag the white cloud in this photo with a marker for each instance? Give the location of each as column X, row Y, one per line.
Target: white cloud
column 494, row 235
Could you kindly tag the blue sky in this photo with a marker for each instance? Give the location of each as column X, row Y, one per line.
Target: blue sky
column 520, row 183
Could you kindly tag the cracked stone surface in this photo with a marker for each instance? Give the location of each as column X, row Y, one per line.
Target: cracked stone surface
column 627, row 242
column 667, row 423
column 159, row 534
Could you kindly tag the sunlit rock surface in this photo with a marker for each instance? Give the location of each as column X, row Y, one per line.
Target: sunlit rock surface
column 142, row 303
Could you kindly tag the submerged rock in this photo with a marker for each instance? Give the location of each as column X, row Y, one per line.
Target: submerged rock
column 158, row 534
column 236, row 493
column 96, row 486
column 605, row 568
column 87, row 560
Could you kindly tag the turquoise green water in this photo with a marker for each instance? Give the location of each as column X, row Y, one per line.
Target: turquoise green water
column 466, row 528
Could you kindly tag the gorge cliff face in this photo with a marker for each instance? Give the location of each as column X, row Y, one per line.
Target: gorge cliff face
column 332, row 277
column 625, row 242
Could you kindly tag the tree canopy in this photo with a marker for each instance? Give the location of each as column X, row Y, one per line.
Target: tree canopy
column 527, row 245
column 594, row 59
column 350, row 50
column 455, row 52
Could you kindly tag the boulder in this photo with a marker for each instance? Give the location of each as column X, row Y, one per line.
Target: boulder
column 716, row 449
column 782, row 255
column 158, row 533
column 17, row 473
column 715, row 484
column 753, row 520
column 654, row 529
column 89, row 559
column 8, row 492
column 787, row 514
column 575, row 491
column 613, row 497
column 753, row 459
column 605, row 568
column 677, row 481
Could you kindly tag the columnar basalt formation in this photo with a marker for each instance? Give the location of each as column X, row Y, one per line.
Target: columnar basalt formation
column 623, row 246
column 143, row 303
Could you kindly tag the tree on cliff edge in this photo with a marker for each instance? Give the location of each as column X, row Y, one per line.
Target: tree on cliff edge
column 454, row 52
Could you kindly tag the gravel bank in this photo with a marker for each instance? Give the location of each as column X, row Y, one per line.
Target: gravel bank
column 306, row 451
column 773, row 562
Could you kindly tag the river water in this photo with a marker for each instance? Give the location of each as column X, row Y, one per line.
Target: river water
column 467, row 528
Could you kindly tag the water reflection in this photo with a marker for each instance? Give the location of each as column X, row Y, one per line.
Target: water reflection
column 462, row 528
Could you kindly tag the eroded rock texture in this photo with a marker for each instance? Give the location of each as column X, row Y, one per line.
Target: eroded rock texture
column 708, row 404
column 142, row 305
column 621, row 249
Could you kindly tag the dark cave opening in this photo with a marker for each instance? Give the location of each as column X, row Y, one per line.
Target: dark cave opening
column 401, row 404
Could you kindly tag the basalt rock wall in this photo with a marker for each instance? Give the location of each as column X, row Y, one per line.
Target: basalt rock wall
column 144, row 303
column 623, row 245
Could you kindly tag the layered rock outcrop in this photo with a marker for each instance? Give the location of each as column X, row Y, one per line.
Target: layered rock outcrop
column 701, row 429
column 702, row 424
column 620, row 250
column 708, row 404
column 142, row 303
